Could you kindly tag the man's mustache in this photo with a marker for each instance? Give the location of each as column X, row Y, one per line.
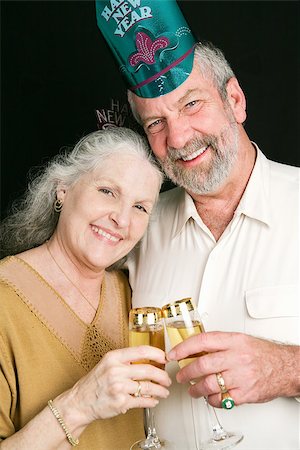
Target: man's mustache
column 191, row 147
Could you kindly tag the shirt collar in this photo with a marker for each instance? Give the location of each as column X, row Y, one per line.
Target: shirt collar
column 185, row 210
column 254, row 202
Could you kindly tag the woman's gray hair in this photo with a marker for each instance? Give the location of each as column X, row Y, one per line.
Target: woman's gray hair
column 33, row 220
column 213, row 66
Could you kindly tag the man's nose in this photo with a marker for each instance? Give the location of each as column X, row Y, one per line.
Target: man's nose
column 179, row 132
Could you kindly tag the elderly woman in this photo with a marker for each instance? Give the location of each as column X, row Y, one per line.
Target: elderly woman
column 65, row 372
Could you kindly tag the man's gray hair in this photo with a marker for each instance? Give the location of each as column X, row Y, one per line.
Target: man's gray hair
column 33, row 220
column 213, row 66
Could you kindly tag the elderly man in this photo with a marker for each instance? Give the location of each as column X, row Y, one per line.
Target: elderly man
column 228, row 237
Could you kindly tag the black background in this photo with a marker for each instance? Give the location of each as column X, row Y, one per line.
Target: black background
column 56, row 70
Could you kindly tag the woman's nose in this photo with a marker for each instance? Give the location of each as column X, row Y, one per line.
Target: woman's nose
column 179, row 132
column 121, row 216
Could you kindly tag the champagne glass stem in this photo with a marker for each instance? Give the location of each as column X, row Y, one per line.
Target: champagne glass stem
column 218, row 431
column 152, row 440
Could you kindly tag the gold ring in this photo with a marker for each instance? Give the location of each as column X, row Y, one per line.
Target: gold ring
column 138, row 391
column 227, row 401
column 221, row 383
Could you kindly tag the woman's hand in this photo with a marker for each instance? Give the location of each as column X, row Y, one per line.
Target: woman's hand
column 109, row 388
column 106, row 391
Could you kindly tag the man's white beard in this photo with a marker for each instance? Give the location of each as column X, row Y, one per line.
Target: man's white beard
column 205, row 178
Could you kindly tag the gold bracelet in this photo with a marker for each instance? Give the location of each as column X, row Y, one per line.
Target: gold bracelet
column 56, row 414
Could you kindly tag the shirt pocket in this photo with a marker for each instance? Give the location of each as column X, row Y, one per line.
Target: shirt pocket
column 273, row 313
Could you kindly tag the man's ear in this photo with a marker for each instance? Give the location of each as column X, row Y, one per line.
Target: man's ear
column 236, row 99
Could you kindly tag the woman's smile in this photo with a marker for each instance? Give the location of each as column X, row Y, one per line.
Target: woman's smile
column 107, row 235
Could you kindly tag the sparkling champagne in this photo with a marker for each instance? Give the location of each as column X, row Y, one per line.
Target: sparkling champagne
column 178, row 332
column 148, row 335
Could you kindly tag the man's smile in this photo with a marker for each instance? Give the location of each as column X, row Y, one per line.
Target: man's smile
column 195, row 154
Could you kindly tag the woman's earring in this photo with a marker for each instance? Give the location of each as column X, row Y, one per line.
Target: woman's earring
column 58, row 205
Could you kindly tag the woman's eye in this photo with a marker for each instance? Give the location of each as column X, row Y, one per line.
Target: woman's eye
column 141, row 208
column 105, row 191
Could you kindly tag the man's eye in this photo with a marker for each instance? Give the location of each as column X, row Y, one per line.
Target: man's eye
column 191, row 104
column 156, row 126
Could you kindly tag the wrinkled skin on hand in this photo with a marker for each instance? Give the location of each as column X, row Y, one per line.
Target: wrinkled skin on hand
column 107, row 390
column 254, row 370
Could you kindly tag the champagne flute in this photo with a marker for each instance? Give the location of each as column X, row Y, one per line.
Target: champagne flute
column 146, row 327
column 182, row 320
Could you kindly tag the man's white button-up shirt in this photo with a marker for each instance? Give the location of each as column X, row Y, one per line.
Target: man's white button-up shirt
column 247, row 281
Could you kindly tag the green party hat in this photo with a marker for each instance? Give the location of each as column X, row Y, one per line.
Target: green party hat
column 151, row 41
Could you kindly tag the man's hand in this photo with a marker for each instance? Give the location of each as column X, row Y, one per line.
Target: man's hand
column 254, row 370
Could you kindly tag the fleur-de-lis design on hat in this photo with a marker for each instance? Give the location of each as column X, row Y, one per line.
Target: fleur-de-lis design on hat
column 146, row 49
